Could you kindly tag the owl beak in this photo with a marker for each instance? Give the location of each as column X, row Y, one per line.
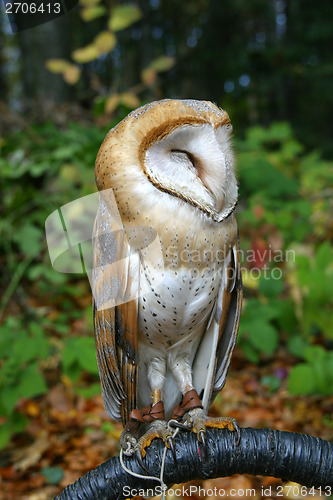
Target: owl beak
column 214, row 189
column 218, row 202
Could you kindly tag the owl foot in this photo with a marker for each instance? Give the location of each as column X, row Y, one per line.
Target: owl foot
column 153, row 414
column 198, row 421
column 130, row 435
column 158, row 429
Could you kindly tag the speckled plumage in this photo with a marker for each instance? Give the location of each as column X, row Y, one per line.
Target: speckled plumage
column 170, row 167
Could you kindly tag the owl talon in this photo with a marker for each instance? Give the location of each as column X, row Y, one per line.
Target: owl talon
column 238, row 432
column 175, row 424
column 199, row 422
column 158, row 429
column 138, row 457
column 202, row 441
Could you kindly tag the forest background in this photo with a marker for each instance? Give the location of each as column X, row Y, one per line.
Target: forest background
column 63, row 85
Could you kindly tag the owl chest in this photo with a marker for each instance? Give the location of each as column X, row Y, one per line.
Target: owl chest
column 179, row 308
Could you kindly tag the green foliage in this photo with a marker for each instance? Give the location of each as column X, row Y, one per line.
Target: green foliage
column 77, row 355
column 257, row 332
column 40, row 172
column 315, row 376
column 288, row 300
column 22, row 348
column 314, row 277
column 287, row 204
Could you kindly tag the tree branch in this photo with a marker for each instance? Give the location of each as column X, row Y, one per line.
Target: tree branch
column 295, row 457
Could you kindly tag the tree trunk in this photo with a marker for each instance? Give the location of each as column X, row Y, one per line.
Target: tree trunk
column 49, row 40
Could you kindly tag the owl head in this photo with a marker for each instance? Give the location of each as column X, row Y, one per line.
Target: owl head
column 171, row 147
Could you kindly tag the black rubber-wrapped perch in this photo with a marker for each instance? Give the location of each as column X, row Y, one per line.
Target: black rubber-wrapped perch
column 294, row 457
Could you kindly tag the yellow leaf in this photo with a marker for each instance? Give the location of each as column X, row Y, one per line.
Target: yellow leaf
column 90, row 13
column 57, row 65
column 69, row 172
column 111, row 103
column 148, row 76
column 249, row 279
column 85, row 54
column 105, row 42
column 71, row 74
column 163, row 63
column 123, row 16
column 130, row 100
column 89, row 3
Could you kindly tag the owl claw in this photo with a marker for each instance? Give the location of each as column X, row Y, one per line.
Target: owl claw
column 238, row 432
column 183, row 427
column 158, row 429
column 198, row 421
column 202, row 441
column 138, row 457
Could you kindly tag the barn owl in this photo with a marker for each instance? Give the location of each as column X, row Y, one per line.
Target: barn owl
column 163, row 352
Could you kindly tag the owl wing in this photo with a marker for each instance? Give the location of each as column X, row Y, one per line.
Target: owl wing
column 115, row 317
column 214, row 353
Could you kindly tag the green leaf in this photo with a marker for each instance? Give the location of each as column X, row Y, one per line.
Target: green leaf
column 5, row 434
column 163, row 63
column 74, row 371
column 255, row 309
column 297, row 345
column 91, row 13
column 263, row 336
column 286, row 318
column 89, row 392
column 250, row 353
column 324, row 256
column 53, row 475
column 32, row 383
column 270, row 287
column 25, row 349
column 81, row 352
column 18, row 421
column 123, row 16
column 314, row 354
column 301, row 380
column 9, row 399
column 87, row 354
column 68, row 355
column 29, row 239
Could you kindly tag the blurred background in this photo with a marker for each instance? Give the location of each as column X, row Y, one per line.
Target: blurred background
column 63, row 85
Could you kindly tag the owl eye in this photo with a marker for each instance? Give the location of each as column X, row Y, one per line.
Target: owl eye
column 181, row 153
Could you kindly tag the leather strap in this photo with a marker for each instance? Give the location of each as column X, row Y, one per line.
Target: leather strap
column 148, row 414
column 190, row 401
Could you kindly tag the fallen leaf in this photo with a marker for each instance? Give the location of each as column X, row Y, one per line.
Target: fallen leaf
column 30, row 455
